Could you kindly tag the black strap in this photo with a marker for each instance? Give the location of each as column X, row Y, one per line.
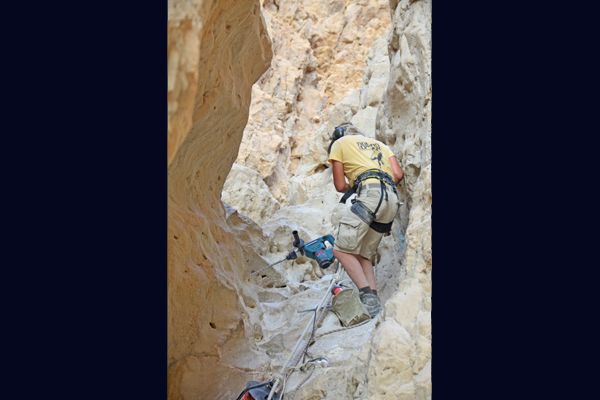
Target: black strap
column 381, row 228
column 380, row 198
column 349, row 193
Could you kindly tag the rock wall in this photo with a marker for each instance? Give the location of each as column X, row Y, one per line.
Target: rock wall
column 400, row 366
column 216, row 51
column 295, row 106
column 320, row 53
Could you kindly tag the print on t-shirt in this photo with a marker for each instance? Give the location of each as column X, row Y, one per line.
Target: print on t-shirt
column 376, row 154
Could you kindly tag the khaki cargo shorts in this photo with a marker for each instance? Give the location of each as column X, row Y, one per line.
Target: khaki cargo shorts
column 354, row 236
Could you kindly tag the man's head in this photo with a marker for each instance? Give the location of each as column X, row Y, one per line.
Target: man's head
column 339, row 132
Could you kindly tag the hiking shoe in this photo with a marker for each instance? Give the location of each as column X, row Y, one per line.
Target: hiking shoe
column 371, row 303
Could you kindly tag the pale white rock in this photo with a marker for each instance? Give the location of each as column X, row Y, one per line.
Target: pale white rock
column 377, row 74
column 365, row 120
column 423, row 382
column 352, row 101
column 246, row 188
column 406, row 304
column 390, row 366
column 422, row 354
column 404, row 121
column 320, row 52
column 424, row 323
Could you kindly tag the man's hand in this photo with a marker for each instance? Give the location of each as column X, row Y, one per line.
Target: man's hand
column 396, row 170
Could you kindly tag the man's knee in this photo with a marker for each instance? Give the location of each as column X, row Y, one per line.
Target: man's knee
column 342, row 256
column 337, row 252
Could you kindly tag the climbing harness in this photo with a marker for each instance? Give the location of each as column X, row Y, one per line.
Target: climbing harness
column 358, row 208
column 361, row 210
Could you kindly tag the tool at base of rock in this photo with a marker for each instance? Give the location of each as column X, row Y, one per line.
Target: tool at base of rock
column 257, row 391
column 291, row 256
column 319, row 249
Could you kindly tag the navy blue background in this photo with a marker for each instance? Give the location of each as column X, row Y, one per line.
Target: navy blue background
column 513, row 225
column 85, row 192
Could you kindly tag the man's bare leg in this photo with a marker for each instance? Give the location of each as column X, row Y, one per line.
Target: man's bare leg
column 367, row 268
column 353, row 267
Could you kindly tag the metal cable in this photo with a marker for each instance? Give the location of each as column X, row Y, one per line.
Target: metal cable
column 344, row 328
column 303, row 381
column 304, row 342
column 267, row 267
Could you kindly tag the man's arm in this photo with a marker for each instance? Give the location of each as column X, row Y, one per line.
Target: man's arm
column 339, row 180
column 397, row 171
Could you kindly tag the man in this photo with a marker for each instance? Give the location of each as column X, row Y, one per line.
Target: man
column 373, row 172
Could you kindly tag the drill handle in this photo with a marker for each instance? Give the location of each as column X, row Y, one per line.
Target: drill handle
column 292, row 255
column 298, row 243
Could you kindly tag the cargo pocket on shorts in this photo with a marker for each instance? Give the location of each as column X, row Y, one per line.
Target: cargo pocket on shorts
column 347, row 235
column 338, row 212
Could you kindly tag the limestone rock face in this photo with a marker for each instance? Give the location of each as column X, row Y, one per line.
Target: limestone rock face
column 320, row 52
column 216, row 51
column 404, row 121
column 250, row 193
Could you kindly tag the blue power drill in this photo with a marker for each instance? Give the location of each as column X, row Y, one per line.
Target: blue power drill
column 316, row 249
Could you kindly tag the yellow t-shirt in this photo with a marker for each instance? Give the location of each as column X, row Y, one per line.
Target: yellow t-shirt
column 359, row 153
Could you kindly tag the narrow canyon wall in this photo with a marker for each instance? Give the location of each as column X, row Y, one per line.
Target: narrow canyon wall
column 400, row 366
column 216, row 51
column 320, row 53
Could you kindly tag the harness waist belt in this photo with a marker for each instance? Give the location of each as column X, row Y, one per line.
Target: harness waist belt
column 370, row 174
column 371, row 186
column 370, row 181
column 361, row 210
